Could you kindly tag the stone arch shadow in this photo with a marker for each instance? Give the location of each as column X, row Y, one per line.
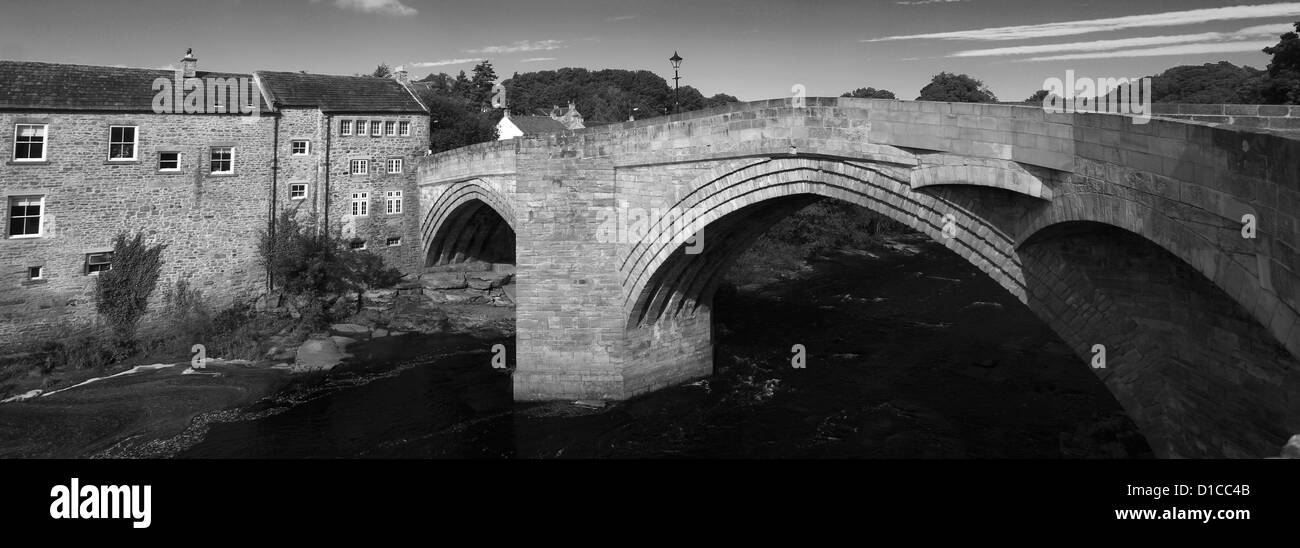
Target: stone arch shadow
column 469, row 223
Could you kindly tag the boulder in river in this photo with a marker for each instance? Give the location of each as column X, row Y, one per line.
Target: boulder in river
column 317, row 355
column 443, row 280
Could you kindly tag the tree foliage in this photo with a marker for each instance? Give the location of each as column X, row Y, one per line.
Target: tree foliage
column 382, row 71
column 1282, row 85
column 304, row 262
column 956, row 88
column 608, row 95
column 122, row 292
column 1221, row 82
column 870, row 93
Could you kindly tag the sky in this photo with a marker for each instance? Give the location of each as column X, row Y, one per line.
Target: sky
column 754, row 49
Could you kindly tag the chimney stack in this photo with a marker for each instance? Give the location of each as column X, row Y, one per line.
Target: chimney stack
column 401, row 75
column 189, row 64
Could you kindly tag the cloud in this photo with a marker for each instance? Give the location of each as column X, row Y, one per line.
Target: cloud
column 382, row 7
column 537, row 59
column 621, row 18
column 1068, row 28
column 1130, row 43
column 522, row 45
column 445, row 62
column 924, row 2
column 1184, row 49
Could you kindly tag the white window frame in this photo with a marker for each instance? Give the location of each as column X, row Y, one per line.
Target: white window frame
column 213, row 150
column 390, row 128
column 389, row 241
column 361, row 204
column 345, row 127
column 393, row 202
column 376, row 128
column 353, row 242
column 364, row 166
column 40, row 273
column 134, row 142
column 169, row 169
column 388, row 166
column 45, row 143
column 306, row 147
column 88, row 264
column 404, row 128
column 292, row 190
column 40, row 217
column 362, row 128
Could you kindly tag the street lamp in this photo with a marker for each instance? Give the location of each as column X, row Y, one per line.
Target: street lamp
column 676, row 60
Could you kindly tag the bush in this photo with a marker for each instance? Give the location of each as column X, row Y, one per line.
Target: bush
column 317, row 268
column 122, row 292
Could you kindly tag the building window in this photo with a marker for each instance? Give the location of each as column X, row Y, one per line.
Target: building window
column 169, row 161
column 121, row 142
column 29, row 142
column 361, row 203
column 223, row 160
column 360, row 167
column 300, row 148
column 393, row 202
column 395, row 165
column 394, row 241
column 375, row 128
column 25, row 216
column 361, row 128
column 98, row 262
column 345, row 127
column 298, row 191
column 35, row 272
column 357, row 244
column 404, row 128
column 390, row 129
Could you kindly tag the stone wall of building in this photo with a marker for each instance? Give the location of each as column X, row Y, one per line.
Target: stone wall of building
column 208, row 221
column 378, row 226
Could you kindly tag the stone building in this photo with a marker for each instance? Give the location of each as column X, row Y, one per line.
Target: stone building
column 91, row 151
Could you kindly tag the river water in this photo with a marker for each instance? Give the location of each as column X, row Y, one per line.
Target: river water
column 911, row 353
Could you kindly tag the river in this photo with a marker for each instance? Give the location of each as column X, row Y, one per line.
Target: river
column 912, row 353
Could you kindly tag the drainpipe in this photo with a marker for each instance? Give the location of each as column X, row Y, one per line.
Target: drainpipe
column 275, row 180
column 325, row 201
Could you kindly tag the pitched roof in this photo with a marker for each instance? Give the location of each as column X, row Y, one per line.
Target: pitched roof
column 56, row 86
column 338, row 93
column 532, row 125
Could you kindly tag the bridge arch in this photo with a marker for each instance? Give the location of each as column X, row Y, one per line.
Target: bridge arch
column 1157, row 366
column 469, row 220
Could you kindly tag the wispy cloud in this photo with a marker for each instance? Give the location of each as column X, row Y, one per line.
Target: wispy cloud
column 924, row 2
column 1069, row 28
column 522, row 45
column 537, row 59
column 1131, row 43
column 621, row 18
column 1184, row 49
column 445, row 62
column 382, row 7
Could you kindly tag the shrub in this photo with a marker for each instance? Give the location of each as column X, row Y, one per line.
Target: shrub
column 122, row 292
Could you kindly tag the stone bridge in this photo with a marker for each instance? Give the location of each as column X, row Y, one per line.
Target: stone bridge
column 1120, row 234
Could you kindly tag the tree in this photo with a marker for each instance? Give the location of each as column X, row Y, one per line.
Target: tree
column 1038, row 97
column 870, row 93
column 1282, row 85
column 382, row 71
column 956, row 88
column 455, row 122
column 122, row 292
column 1218, row 83
column 480, row 85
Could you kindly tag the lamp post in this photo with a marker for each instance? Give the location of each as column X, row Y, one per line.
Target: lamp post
column 676, row 60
